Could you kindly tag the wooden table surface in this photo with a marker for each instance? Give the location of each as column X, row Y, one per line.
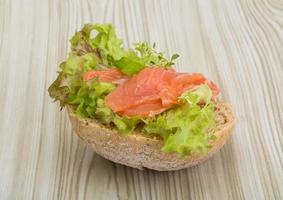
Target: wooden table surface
column 236, row 43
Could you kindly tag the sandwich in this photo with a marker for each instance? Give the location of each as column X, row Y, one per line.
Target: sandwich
column 132, row 107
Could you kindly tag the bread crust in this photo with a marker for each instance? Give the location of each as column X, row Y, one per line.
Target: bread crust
column 138, row 151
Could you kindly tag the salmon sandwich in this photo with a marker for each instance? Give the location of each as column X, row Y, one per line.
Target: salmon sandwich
column 132, row 107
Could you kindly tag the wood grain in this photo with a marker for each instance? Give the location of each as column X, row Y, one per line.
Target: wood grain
column 238, row 44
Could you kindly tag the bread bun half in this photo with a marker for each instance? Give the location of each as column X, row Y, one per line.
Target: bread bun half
column 138, row 151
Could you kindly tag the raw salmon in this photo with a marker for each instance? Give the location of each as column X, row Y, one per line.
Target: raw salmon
column 113, row 75
column 152, row 91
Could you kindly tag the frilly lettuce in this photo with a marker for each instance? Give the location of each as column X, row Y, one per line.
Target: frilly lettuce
column 106, row 116
column 108, row 50
column 184, row 128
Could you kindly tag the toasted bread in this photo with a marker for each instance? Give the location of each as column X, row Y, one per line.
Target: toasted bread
column 139, row 151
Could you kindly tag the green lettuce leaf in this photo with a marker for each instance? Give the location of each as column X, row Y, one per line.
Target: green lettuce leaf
column 58, row 92
column 191, row 123
column 80, row 42
column 109, row 51
column 69, row 78
column 184, row 128
column 106, row 45
column 125, row 124
column 88, row 95
column 76, row 63
column 202, row 94
column 106, row 116
column 107, row 42
column 130, row 64
column 104, row 113
column 158, row 126
column 90, row 101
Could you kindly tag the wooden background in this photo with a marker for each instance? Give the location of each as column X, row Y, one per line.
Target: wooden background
column 236, row 43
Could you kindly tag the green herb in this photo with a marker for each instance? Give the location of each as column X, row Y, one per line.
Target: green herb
column 142, row 56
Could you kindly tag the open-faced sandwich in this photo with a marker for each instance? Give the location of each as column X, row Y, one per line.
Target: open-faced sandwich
column 133, row 108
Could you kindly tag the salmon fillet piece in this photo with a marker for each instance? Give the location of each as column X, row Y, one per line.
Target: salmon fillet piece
column 113, row 75
column 152, row 91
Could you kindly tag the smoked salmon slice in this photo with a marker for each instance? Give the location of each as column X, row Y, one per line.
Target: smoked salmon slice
column 113, row 75
column 153, row 90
